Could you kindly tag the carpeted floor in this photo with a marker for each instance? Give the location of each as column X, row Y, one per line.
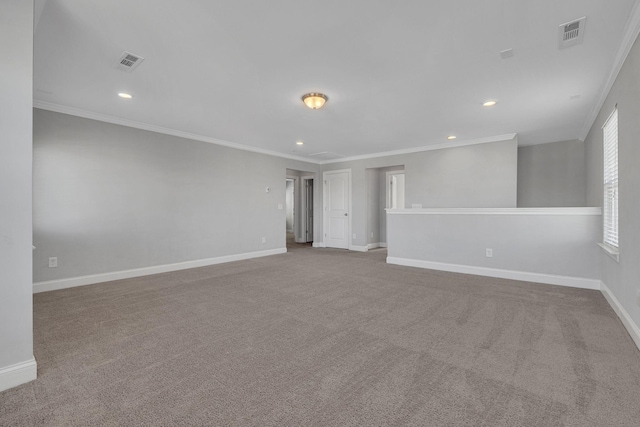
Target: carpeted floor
column 322, row 337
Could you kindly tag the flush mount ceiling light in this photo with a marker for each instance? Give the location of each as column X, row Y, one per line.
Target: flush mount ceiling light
column 451, row 137
column 314, row 101
column 490, row 103
column 125, row 95
column 299, row 143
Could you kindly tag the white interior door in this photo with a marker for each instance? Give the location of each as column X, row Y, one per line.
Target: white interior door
column 336, row 209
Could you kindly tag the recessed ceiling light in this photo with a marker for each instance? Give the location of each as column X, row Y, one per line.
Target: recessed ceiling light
column 490, row 103
column 314, row 101
column 299, row 143
column 125, row 95
column 451, row 137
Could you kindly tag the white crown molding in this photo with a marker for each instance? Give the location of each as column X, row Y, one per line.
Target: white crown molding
column 440, row 146
column 550, row 279
column 159, row 129
column 496, row 211
column 43, row 105
column 631, row 31
column 72, row 282
column 535, row 144
column 20, row 373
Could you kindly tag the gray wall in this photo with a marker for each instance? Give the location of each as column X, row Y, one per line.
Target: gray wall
column 16, row 51
column 552, row 175
column 482, row 175
column 623, row 278
column 547, row 244
column 110, row 198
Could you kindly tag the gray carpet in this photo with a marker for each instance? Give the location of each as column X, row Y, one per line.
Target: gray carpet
column 321, row 337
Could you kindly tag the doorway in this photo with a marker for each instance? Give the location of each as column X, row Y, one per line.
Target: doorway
column 395, row 190
column 290, row 205
column 307, row 209
column 299, row 206
column 385, row 189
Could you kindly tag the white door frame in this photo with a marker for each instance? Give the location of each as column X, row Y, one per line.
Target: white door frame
column 295, row 200
column 324, row 206
column 388, row 184
column 303, row 199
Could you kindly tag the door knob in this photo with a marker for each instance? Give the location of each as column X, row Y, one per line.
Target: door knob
column 345, row 214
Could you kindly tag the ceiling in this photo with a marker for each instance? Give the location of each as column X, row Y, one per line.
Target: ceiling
column 398, row 74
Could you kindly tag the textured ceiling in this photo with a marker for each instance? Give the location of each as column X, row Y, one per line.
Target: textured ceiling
column 398, row 75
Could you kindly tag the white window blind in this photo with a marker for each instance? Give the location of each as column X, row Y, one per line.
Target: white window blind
column 610, row 208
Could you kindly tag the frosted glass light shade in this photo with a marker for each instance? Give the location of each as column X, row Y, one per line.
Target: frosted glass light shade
column 314, row 101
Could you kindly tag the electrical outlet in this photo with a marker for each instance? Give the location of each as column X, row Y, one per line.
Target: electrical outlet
column 264, row 240
column 489, row 253
column 354, row 236
column 372, row 234
column 279, row 206
column 53, row 262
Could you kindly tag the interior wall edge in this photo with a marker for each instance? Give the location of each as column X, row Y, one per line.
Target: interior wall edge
column 624, row 316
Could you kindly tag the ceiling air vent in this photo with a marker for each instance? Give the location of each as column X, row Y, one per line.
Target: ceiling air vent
column 571, row 33
column 128, row 62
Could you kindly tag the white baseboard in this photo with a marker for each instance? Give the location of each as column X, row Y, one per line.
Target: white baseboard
column 351, row 248
column 574, row 282
column 53, row 285
column 383, row 244
column 373, row 245
column 624, row 316
column 20, row 373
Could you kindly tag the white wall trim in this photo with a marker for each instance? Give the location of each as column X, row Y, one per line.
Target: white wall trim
column 624, row 316
column 383, row 244
column 357, row 248
column 574, row 282
column 631, row 31
column 20, row 373
column 44, row 105
column 71, row 282
column 440, row 146
column 159, row 129
column 319, row 245
column 373, row 245
column 496, row 211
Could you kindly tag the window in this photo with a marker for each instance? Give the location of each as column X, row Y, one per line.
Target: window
column 610, row 201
